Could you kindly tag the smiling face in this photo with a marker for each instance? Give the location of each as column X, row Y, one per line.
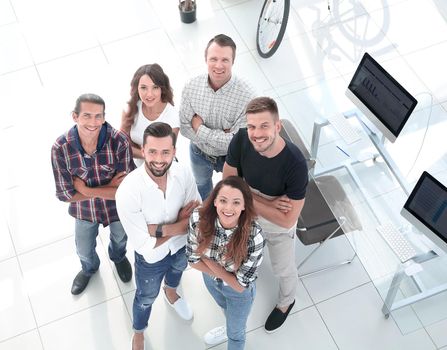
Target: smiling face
column 149, row 92
column 219, row 60
column 229, row 204
column 89, row 120
column 263, row 132
column 158, row 154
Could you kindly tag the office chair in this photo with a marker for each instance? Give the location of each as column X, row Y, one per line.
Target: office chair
column 322, row 217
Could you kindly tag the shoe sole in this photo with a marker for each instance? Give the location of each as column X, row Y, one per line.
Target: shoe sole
column 272, row 331
column 213, row 344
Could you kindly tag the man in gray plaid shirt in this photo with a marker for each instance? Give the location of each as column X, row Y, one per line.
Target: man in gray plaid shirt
column 212, row 110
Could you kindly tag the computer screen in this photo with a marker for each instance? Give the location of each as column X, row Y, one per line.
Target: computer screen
column 426, row 209
column 385, row 103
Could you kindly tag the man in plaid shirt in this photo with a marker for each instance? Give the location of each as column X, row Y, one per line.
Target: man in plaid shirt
column 212, row 110
column 89, row 162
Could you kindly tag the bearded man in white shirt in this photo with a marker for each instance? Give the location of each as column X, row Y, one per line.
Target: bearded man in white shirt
column 154, row 204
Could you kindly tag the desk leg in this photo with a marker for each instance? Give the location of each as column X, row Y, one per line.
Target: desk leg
column 392, row 291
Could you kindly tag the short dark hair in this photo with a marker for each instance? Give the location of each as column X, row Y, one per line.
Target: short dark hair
column 92, row 98
column 222, row 40
column 262, row 104
column 159, row 130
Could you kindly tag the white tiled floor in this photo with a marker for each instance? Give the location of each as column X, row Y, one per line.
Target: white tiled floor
column 52, row 51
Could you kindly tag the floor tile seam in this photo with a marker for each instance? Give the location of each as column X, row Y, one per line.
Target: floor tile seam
column 235, row 5
column 13, row 10
column 346, row 291
column 411, row 52
column 12, row 240
column 307, row 86
column 305, row 288
column 236, row 29
column 327, row 327
column 31, row 306
column 18, row 335
column 386, row 6
column 129, row 36
column 6, row 127
column 424, row 327
column 162, row 28
column 8, row 23
column 435, row 100
column 16, row 70
column 128, row 309
column 46, row 324
column 329, row 13
column 32, row 250
column 50, row 60
column 228, row 17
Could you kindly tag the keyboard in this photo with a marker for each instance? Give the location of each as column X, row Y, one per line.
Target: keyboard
column 397, row 242
column 347, row 132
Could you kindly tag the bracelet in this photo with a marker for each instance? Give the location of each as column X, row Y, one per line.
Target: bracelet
column 159, row 231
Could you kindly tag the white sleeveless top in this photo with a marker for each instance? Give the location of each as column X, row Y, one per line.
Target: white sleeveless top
column 169, row 116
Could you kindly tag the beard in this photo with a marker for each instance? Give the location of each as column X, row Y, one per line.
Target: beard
column 157, row 172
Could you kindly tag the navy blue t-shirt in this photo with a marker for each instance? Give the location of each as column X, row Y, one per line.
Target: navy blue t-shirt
column 286, row 173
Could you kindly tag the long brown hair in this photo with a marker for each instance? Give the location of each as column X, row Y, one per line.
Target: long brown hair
column 158, row 76
column 237, row 247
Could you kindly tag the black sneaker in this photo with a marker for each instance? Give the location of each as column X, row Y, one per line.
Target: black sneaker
column 124, row 270
column 276, row 319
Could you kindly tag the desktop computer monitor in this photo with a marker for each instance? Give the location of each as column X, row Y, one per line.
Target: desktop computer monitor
column 426, row 209
column 385, row 103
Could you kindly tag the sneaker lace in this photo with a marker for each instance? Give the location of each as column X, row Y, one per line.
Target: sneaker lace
column 217, row 332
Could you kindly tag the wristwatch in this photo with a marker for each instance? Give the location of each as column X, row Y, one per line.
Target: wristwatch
column 159, row 231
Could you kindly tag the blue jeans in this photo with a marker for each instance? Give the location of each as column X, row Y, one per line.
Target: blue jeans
column 202, row 167
column 148, row 278
column 85, row 238
column 236, row 307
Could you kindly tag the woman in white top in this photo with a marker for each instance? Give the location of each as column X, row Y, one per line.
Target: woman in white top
column 151, row 99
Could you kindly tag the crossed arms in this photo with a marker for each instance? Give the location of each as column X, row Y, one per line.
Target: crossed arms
column 281, row 211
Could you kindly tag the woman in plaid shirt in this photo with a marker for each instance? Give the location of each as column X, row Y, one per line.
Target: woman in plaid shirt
column 226, row 244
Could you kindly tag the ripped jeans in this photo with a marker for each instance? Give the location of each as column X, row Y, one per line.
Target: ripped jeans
column 148, row 279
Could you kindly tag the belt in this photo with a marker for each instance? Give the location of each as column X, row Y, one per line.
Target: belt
column 212, row 159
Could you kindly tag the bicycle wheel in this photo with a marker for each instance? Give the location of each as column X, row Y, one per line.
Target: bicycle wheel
column 271, row 26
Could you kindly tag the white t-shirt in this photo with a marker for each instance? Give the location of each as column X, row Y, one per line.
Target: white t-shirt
column 140, row 202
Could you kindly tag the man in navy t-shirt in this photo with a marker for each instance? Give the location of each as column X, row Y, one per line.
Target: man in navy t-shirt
column 276, row 171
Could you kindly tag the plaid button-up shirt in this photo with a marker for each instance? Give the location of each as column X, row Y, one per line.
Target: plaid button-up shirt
column 248, row 270
column 113, row 155
column 220, row 110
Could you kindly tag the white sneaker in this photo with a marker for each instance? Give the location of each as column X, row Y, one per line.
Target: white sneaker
column 216, row 336
column 181, row 306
